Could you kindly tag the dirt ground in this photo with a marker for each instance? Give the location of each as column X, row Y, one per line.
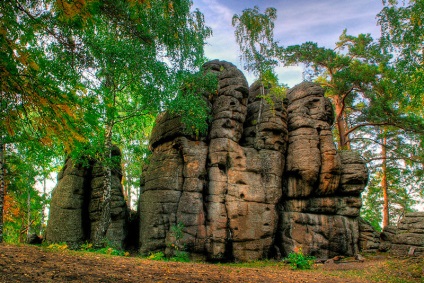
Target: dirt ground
column 34, row 264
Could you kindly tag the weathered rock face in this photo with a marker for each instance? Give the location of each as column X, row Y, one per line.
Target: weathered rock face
column 369, row 239
column 408, row 238
column 69, row 205
column 321, row 199
column 76, row 203
column 244, row 181
column 405, row 239
column 267, row 178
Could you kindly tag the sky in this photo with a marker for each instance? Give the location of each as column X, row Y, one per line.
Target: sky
column 299, row 21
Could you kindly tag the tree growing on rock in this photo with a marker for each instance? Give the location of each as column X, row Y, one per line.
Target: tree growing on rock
column 255, row 36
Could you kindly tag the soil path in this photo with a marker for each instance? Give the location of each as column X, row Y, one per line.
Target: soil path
column 34, row 264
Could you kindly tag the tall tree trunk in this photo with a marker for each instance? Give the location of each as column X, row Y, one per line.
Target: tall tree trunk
column 128, row 191
column 343, row 140
column 126, row 186
column 384, row 184
column 2, row 186
column 28, row 212
column 43, row 205
column 262, row 90
column 105, row 218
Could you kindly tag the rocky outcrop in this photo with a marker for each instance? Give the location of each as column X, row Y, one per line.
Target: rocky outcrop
column 267, row 178
column 76, row 204
column 369, row 239
column 405, row 239
column 409, row 236
column 244, row 181
column 216, row 187
column 387, row 237
column 265, row 181
column 322, row 189
column 68, row 214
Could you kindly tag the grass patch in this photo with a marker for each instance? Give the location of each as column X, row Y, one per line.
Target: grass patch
column 409, row 270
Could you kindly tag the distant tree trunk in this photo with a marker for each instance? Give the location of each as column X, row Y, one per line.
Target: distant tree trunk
column 105, row 219
column 28, row 212
column 43, row 205
column 384, row 184
column 127, row 188
column 2, row 186
column 128, row 192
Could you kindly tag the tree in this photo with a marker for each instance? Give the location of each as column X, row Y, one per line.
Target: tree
column 254, row 33
column 73, row 72
column 23, row 202
column 402, row 34
column 138, row 53
column 38, row 91
column 345, row 76
column 357, row 76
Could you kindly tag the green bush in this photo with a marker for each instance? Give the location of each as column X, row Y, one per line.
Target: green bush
column 180, row 256
column 157, row 256
column 298, row 260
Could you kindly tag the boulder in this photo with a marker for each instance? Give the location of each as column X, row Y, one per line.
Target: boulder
column 369, row 239
column 77, row 200
column 409, row 236
column 68, row 214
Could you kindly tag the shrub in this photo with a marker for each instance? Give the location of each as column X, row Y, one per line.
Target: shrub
column 157, row 256
column 180, row 256
column 298, row 260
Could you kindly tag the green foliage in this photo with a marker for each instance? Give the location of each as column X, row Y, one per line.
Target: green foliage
column 255, row 36
column 79, row 75
column 58, row 246
column 112, row 251
column 298, row 260
column 88, row 247
column 28, row 164
column 176, row 249
column 177, row 235
column 157, row 256
column 177, row 231
column 180, row 256
column 191, row 104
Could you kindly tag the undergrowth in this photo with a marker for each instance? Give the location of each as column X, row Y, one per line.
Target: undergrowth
column 88, row 247
column 298, row 260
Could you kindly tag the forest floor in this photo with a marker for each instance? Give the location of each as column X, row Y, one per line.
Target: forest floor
column 26, row 263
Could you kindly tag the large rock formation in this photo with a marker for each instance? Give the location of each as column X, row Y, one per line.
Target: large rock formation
column 76, row 204
column 408, row 237
column 266, row 179
column 321, row 199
